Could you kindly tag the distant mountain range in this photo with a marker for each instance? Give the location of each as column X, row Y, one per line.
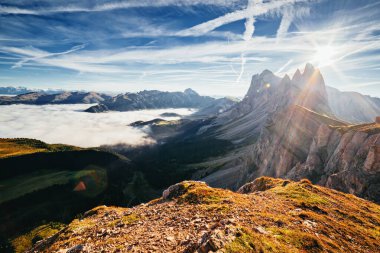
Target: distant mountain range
column 153, row 99
column 348, row 106
column 22, row 90
column 41, row 98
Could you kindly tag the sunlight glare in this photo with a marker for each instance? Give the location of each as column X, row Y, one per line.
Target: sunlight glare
column 324, row 55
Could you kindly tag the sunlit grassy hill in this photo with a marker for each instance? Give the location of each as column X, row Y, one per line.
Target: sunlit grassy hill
column 23, row 146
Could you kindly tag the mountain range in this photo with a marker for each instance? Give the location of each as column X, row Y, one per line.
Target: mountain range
column 67, row 97
column 294, row 128
column 154, row 99
column 9, row 90
column 285, row 127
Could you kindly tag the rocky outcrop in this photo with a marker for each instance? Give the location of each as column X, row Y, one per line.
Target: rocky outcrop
column 41, row 98
column 301, row 145
column 279, row 216
column 153, row 99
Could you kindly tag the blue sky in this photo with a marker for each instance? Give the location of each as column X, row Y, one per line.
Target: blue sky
column 213, row 47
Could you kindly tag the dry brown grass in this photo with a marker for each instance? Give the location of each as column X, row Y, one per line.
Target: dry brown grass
column 22, row 146
column 372, row 128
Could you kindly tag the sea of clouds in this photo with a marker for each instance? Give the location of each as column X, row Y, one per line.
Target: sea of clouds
column 68, row 124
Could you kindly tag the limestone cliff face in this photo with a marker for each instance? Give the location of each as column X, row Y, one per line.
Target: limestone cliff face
column 302, row 144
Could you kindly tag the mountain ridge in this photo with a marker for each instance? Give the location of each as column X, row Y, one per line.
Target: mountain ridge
column 152, row 99
column 42, row 98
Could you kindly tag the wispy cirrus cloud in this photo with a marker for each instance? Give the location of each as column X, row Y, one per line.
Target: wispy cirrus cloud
column 254, row 8
column 99, row 7
column 38, row 54
column 289, row 13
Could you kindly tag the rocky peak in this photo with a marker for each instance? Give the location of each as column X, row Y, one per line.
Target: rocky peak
column 191, row 92
column 286, row 78
column 307, row 89
column 313, row 94
column 309, row 69
column 269, row 93
column 266, row 73
column 297, row 76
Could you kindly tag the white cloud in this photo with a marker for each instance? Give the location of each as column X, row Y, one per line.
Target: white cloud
column 283, row 67
column 39, row 54
column 289, row 13
column 115, row 6
column 249, row 28
column 254, row 8
column 67, row 124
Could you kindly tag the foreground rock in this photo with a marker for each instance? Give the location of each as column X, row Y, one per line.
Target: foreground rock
column 266, row 216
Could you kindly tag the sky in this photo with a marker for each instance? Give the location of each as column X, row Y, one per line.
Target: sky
column 211, row 46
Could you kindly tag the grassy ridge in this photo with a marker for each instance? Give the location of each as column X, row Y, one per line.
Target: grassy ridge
column 23, row 146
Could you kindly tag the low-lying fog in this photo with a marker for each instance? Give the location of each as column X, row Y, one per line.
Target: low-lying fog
column 68, row 124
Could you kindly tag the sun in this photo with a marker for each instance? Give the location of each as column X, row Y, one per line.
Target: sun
column 324, row 55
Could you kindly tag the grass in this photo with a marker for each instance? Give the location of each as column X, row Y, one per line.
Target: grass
column 246, row 241
column 79, row 225
column 322, row 118
column 24, row 242
column 24, row 146
column 200, row 194
column 126, row 220
column 300, row 193
column 301, row 240
column 372, row 128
